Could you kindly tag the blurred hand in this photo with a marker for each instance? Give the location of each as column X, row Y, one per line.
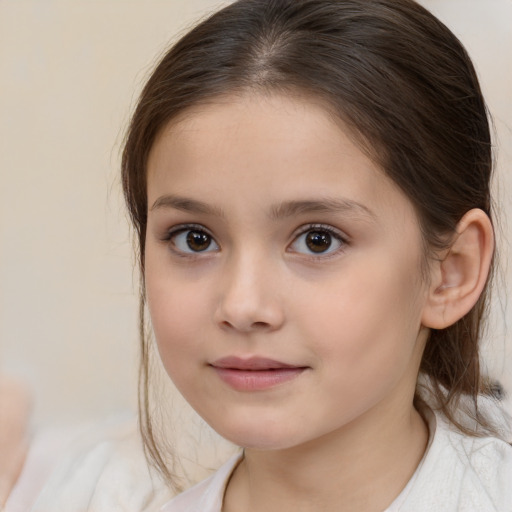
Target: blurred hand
column 14, row 416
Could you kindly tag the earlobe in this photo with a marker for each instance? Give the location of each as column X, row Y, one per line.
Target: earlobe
column 459, row 277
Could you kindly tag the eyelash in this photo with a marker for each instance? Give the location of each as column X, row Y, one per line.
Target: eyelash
column 321, row 228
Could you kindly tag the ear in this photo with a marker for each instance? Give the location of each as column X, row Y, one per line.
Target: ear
column 458, row 278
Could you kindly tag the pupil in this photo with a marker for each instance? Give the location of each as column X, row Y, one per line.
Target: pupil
column 318, row 241
column 198, row 241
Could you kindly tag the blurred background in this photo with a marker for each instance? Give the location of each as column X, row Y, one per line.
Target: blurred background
column 70, row 72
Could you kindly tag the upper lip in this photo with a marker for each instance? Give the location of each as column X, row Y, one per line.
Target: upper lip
column 251, row 363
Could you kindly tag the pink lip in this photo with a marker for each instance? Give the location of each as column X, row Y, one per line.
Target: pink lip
column 254, row 373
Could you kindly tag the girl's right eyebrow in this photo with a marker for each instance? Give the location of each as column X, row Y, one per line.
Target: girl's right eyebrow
column 186, row 204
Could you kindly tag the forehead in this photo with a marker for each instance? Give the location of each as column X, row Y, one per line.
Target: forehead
column 250, row 119
column 266, row 149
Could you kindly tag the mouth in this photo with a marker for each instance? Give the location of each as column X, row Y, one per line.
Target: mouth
column 255, row 373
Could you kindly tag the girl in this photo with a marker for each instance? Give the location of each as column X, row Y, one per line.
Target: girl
column 309, row 183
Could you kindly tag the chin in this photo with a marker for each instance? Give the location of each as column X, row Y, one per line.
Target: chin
column 259, row 436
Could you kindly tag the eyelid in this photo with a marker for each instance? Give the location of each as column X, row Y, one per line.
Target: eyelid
column 178, row 228
column 321, row 227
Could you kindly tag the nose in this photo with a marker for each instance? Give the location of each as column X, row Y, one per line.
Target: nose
column 249, row 298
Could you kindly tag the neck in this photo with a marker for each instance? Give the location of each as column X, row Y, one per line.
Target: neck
column 363, row 466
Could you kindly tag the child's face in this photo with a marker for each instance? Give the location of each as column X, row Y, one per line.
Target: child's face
column 272, row 237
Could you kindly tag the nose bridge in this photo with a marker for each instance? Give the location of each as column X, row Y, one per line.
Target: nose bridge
column 248, row 292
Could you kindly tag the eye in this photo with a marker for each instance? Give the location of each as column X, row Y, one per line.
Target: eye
column 318, row 240
column 192, row 240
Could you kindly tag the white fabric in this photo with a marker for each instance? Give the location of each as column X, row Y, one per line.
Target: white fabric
column 102, row 469
column 46, row 449
column 457, row 474
column 90, row 469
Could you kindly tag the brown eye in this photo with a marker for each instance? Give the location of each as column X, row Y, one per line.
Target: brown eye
column 318, row 241
column 191, row 240
column 198, row 241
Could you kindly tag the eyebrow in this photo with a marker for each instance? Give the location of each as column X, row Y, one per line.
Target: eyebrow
column 283, row 210
column 186, row 204
column 324, row 205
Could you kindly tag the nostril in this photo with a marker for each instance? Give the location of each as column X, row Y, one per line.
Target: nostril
column 248, row 315
column 248, row 327
column 260, row 325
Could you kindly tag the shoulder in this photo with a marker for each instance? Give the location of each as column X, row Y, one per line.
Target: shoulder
column 485, row 465
column 461, row 473
column 207, row 495
column 97, row 468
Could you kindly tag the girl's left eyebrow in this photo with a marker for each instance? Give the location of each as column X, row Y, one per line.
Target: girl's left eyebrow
column 325, row 205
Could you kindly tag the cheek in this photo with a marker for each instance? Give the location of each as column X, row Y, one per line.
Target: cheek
column 367, row 326
column 177, row 315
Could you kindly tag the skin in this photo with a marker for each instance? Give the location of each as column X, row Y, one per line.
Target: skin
column 343, row 434
column 14, row 416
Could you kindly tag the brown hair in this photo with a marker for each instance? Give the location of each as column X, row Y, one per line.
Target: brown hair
column 393, row 73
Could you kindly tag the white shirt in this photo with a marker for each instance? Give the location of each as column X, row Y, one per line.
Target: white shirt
column 458, row 473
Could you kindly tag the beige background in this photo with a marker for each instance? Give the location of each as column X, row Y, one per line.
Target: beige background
column 70, row 71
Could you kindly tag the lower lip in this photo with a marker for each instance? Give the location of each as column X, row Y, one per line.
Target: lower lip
column 257, row 380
